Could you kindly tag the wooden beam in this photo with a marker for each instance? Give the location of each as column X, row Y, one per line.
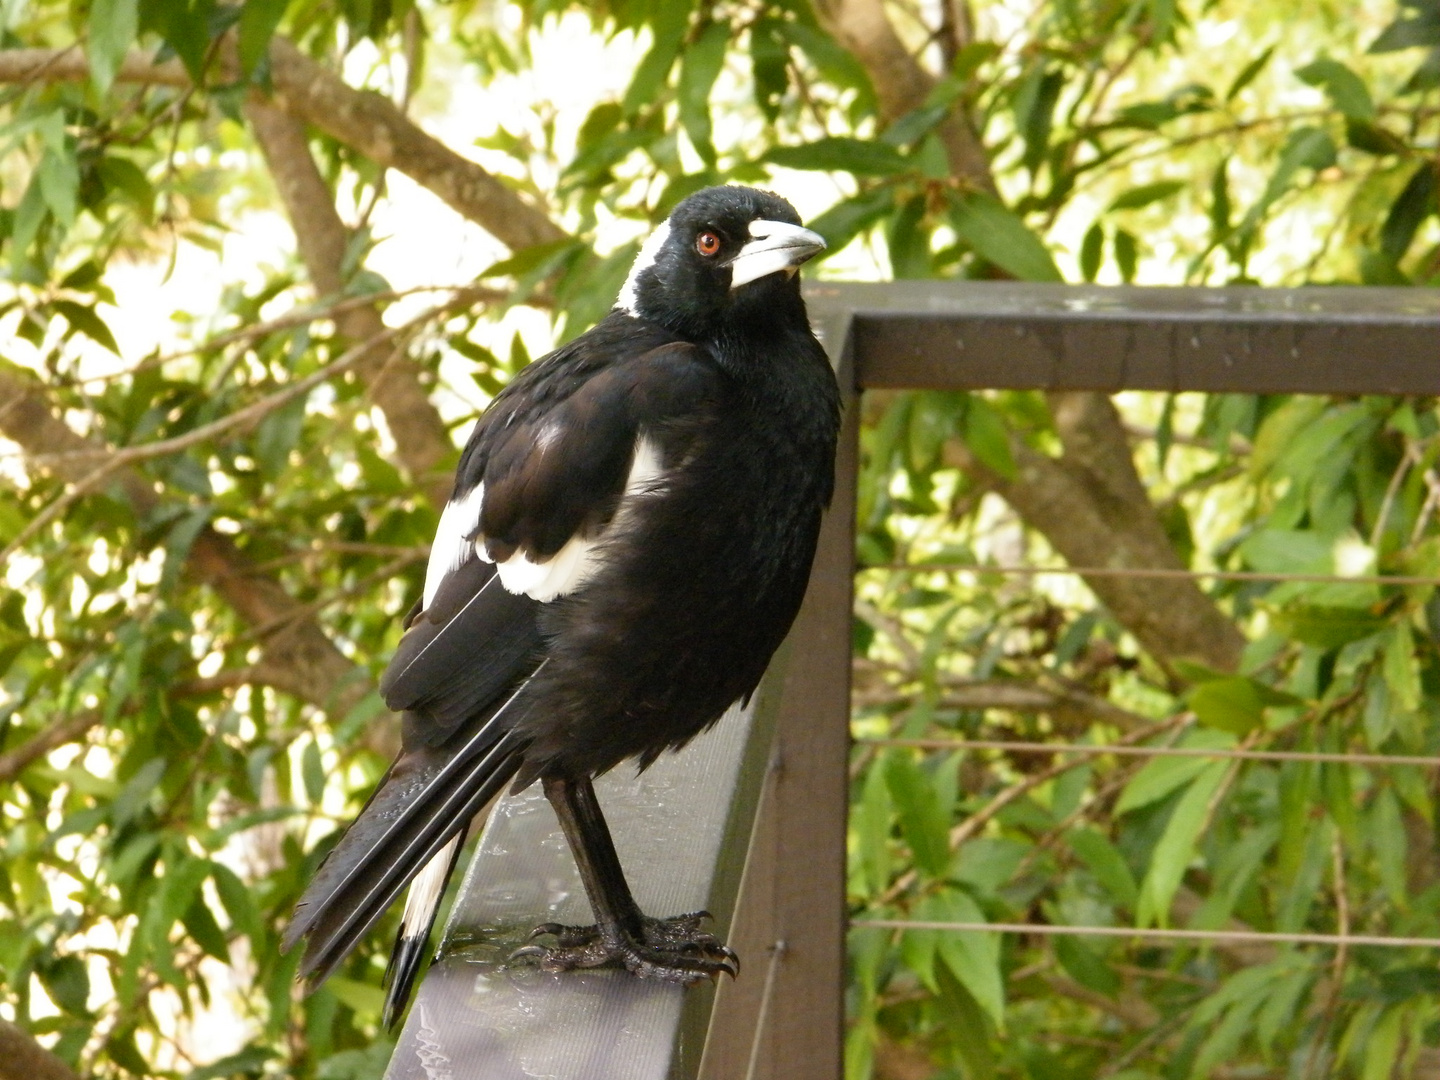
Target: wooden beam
column 1019, row 335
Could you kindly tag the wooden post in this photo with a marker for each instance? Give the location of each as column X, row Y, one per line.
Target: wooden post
column 783, row 1019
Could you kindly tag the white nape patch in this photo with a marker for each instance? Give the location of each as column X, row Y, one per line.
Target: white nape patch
column 577, row 562
column 452, row 547
column 775, row 247
column 426, row 889
column 649, row 252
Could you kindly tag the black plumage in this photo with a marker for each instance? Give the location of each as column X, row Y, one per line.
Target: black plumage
column 628, row 542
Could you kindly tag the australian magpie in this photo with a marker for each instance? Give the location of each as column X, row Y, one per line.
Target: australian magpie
column 628, row 541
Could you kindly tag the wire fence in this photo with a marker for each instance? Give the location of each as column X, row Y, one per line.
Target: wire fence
column 1131, row 750
column 1165, row 573
column 1159, row 934
column 1266, row 937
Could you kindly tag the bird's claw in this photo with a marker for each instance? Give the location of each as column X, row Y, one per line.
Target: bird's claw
column 672, row 950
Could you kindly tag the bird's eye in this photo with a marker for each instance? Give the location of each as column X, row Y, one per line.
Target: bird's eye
column 707, row 243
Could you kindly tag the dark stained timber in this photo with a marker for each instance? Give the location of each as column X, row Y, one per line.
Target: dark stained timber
column 1017, row 335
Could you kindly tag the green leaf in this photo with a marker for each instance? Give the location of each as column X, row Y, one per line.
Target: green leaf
column 200, row 924
column 1146, row 194
column 1162, row 775
column 769, row 66
column 112, row 27
column 835, row 63
column 669, row 27
column 1234, row 703
column 1306, row 148
column 1248, row 73
column 1341, row 85
column 258, row 20
column 1387, row 834
column 137, row 791
column 237, row 900
column 872, row 828
column 59, row 178
column 1416, row 202
column 84, row 320
column 67, row 982
column 924, row 823
column 1402, row 672
column 365, row 998
column 1405, row 33
column 185, row 26
column 973, row 956
column 312, row 770
column 1086, row 966
column 1001, row 236
column 248, row 1062
column 277, row 435
column 1173, row 853
column 1382, row 1048
column 1092, row 250
column 1127, row 254
column 527, row 260
column 846, row 220
column 987, row 436
column 698, row 71
column 861, row 157
column 1104, row 860
column 1373, row 138
column 1328, row 627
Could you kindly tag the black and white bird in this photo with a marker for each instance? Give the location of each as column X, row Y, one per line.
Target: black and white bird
column 628, row 542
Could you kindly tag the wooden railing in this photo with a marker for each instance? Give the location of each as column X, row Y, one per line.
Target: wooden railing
column 749, row 821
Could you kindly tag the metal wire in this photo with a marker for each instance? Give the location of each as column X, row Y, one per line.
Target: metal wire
column 1156, row 572
column 1254, row 936
column 777, row 953
column 1156, row 751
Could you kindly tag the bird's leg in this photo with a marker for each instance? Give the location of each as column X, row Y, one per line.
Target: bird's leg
column 674, row 949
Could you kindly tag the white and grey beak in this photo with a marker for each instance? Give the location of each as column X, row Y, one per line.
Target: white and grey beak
column 777, row 245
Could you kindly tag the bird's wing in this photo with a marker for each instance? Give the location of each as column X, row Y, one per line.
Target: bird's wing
column 550, row 468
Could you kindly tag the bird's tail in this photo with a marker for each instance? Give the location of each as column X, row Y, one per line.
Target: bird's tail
column 423, row 806
column 422, row 904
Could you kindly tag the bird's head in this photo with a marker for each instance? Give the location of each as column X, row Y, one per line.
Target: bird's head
column 725, row 252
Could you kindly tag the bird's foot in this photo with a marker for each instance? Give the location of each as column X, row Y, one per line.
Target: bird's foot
column 672, row 950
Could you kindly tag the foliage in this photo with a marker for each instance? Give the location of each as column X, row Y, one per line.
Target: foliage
column 189, row 640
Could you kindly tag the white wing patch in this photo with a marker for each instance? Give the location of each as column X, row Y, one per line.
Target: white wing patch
column 643, row 261
column 577, row 562
column 452, row 547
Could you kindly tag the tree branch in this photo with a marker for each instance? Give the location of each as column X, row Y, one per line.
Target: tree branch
column 1092, row 508
column 22, row 1058
column 314, row 670
column 374, row 126
column 361, row 119
column 901, row 84
column 72, row 65
column 14, row 762
column 421, row 440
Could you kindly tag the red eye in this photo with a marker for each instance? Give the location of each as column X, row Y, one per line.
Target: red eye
column 707, row 243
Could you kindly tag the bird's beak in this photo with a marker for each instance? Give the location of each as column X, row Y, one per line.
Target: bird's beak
column 777, row 245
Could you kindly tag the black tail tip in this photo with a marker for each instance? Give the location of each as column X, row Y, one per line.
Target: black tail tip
column 400, row 974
